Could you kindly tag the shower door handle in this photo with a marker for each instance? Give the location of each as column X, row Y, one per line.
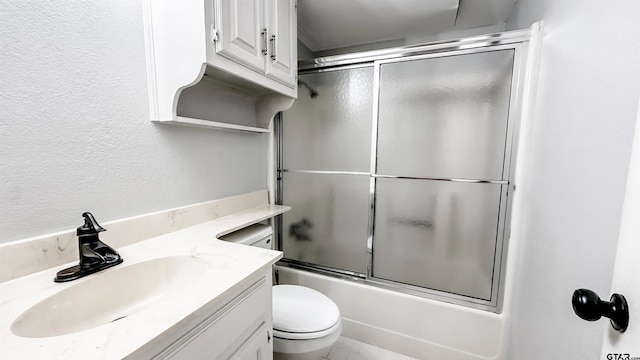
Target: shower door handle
column 588, row 306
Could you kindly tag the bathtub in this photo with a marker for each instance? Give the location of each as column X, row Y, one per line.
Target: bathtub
column 418, row 327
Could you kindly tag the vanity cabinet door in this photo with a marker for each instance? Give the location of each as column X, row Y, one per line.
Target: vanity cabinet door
column 240, row 37
column 257, row 347
column 238, row 328
column 281, row 27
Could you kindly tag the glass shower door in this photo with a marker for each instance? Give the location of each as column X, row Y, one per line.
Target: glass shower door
column 398, row 167
column 325, row 170
column 441, row 179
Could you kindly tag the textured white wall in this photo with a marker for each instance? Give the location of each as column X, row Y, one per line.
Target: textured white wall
column 75, row 133
column 586, row 105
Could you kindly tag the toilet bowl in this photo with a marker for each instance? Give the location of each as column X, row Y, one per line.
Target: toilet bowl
column 306, row 323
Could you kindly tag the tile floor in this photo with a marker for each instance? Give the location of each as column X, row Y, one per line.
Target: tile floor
column 349, row 349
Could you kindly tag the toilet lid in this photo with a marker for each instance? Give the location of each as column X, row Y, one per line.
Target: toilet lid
column 298, row 309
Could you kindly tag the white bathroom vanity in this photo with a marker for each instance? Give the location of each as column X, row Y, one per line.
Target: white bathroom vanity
column 181, row 295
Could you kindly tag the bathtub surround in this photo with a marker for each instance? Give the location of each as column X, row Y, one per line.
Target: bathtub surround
column 418, row 327
column 31, row 255
column 396, row 320
column 400, row 206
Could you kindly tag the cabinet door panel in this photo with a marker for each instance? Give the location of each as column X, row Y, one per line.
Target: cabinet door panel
column 222, row 332
column 257, row 347
column 282, row 23
column 240, row 24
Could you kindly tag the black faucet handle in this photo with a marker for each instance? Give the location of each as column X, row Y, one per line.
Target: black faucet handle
column 94, row 254
column 90, row 226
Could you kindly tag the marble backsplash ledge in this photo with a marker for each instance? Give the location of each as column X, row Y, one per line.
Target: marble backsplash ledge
column 27, row 256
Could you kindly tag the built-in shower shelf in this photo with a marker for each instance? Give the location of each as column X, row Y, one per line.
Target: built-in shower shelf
column 181, row 120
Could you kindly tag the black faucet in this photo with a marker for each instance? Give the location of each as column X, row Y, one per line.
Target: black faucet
column 94, row 254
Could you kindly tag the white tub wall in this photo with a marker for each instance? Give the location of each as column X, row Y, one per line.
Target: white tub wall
column 422, row 328
column 75, row 129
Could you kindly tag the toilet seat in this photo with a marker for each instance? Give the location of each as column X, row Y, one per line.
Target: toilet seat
column 308, row 335
column 301, row 313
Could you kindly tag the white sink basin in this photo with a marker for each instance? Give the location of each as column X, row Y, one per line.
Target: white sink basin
column 108, row 296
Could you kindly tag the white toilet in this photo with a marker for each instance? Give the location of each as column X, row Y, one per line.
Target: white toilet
column 306, row 323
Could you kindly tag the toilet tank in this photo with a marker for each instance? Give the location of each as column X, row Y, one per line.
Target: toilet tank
column 259, row 235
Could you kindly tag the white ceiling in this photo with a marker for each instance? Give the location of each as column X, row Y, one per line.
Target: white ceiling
column 331, row 24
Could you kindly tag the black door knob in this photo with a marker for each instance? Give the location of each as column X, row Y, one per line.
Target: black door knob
column 588, row 306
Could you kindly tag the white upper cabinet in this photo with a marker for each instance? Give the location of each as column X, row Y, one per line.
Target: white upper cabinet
column 221, row 63
column 260, row 34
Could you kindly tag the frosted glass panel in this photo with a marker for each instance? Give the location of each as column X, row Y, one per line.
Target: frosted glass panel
column 329, row 126
column 445, row 117
column 435, row 234
column 328, row 221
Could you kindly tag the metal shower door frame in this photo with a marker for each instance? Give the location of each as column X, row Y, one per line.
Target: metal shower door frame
column 516, row 41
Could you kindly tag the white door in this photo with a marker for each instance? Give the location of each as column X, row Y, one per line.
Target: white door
column 283, row 55
column 240, row 32
column 615, row 345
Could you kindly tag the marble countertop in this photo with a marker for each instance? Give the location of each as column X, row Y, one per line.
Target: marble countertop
column 229, row 265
